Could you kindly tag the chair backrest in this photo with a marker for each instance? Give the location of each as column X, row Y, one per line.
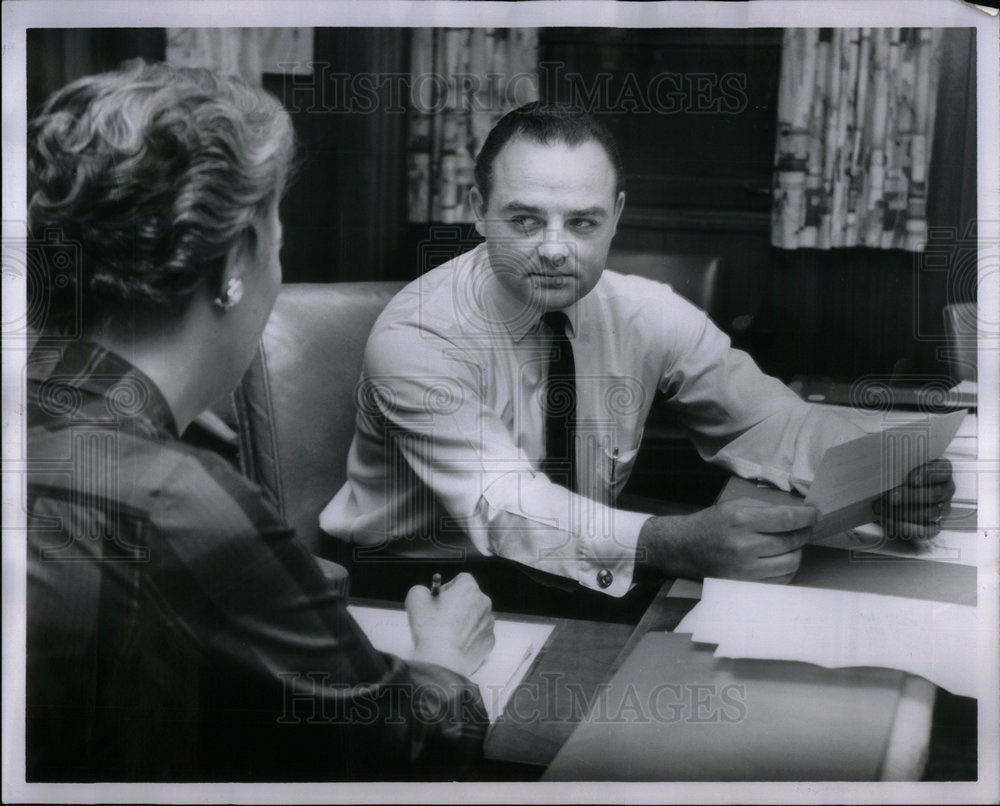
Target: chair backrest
column 694, row 277
column 296, row 404
column 962, row 333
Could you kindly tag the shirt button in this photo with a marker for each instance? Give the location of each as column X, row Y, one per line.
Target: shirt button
column 605, row 578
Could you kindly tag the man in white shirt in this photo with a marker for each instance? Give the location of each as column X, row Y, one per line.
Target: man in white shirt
column 457, row 426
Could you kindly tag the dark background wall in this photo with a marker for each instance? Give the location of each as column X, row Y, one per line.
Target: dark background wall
column 698, row 150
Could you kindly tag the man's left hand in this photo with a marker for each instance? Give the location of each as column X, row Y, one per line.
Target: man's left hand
column 914, row 509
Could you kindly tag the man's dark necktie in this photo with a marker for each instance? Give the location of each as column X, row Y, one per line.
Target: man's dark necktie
column 560, row 406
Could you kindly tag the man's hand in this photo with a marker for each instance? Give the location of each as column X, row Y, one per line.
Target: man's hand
column 741, row 539
column 453, row 629
column 914, row 509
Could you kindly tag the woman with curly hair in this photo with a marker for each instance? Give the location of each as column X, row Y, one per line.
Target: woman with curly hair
column 176, row 629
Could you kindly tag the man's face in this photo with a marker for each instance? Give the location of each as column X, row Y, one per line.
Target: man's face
column 549, row 221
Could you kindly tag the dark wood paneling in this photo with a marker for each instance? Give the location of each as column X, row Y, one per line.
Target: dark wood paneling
column 694, row 110
column 344, row 216
column 847, row 312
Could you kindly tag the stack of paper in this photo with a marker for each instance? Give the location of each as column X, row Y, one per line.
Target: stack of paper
column 835, row 629
column 517, row 644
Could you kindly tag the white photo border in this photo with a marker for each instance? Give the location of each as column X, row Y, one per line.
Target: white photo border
column 20, row 16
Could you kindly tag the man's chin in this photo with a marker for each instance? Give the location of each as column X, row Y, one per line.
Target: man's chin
column 558, row 303
column 554, row 299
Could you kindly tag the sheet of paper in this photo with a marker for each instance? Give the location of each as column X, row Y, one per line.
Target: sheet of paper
column 874, row 421
column 837, row 629
column 859, row 470
column 517, row 644
column 966, row 387
column 949, row 545
column 967, row 477
column 852, row 475
column 963, row 448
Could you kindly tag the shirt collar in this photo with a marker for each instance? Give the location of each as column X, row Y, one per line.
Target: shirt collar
column 510, row 310
column 130, row 393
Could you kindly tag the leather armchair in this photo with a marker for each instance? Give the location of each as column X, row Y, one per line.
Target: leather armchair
column 296, row 405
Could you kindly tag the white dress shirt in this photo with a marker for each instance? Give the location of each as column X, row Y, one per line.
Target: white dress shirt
column 450, row 430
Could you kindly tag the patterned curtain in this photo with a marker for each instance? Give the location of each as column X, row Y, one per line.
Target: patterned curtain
column 247, row 52
column 463, row 80
column 855, row 120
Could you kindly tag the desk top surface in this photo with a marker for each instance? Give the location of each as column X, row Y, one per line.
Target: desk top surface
column 582, row 657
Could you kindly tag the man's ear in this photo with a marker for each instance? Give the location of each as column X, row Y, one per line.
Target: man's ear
column 619, row 206
column 478, row 205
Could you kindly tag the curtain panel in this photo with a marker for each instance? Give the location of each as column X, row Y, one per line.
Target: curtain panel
column 855, row 123
column 246, row 52
column 463, row 80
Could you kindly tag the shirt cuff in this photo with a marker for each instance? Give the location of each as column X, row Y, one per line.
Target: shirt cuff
column 538, row 524
column 609, row 564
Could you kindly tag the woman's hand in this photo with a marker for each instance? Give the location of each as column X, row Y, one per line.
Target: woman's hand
column 453, row 629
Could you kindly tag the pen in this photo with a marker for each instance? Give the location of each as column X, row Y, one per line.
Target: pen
column 435, row 584
column 614, row 465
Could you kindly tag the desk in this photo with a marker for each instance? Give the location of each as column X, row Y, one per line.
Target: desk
column 842, row 724
column 581, row 658
column 557, row 692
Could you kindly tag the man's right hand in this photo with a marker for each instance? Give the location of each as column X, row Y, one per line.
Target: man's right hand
column 741, row 539
column 453, row 629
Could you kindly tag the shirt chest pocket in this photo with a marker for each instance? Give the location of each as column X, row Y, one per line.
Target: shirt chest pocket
column 611, row 463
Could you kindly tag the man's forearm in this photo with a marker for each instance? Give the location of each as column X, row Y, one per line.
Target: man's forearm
column 661, row 550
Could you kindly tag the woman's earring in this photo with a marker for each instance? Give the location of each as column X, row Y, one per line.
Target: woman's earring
column 232, row 296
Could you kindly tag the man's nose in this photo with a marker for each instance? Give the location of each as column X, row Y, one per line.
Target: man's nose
column 554, row 250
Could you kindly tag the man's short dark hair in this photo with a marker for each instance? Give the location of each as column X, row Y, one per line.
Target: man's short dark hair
column 545, row 123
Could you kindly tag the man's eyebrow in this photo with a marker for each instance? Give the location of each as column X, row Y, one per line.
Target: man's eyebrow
column 512, row 206
column 596, row 210
column 521, row 206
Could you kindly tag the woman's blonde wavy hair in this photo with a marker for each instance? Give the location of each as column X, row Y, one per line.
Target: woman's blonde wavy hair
column 156, row 172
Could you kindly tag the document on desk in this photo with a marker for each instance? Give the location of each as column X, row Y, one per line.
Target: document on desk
column 955, row 545
column 836, row 629
column 517, row 644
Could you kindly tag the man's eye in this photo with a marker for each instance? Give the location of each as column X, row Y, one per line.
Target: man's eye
column 525, row 223
column 583, row 224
